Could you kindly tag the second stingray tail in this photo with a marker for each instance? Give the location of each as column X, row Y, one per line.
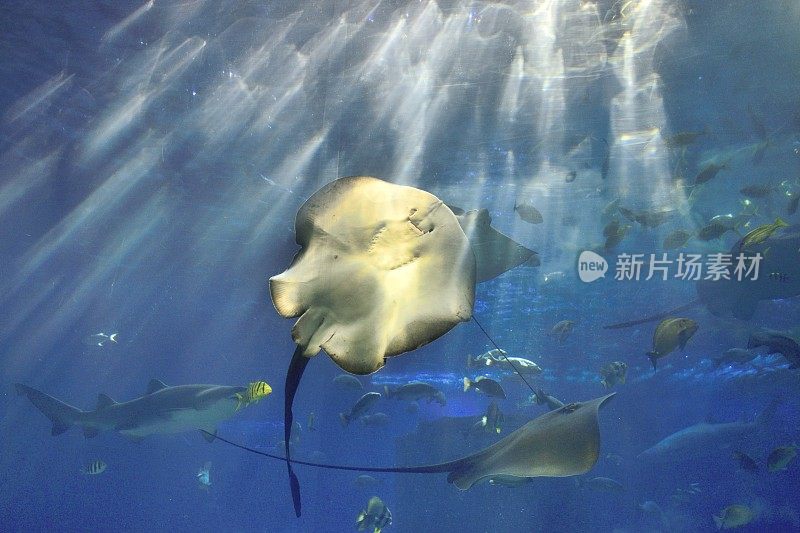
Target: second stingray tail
column 653, row 318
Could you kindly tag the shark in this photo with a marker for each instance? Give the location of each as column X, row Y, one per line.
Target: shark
column 161, row 410
column 687, row 441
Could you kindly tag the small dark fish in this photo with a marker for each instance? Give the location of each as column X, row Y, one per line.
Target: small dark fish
column 745, row 461
column 488, row 386
column 780, row 458
column 777, row 342
column 416, row 390
column 791, row 208
column 571, row 175
column 360, row 408
column 676, row 239
column 348, row 381
column 708, row 172
column 712, row 231
column 616, row 238
column 528, row 213
column 653, row 219
column 670, row 334
column 757, row 191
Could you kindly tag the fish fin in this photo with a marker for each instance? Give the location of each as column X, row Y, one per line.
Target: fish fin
column 103, row 401
column 209, row 434
column 60, row 414
column 90, row 432
column 155, row 385
column 113, row 338
column 467, row 384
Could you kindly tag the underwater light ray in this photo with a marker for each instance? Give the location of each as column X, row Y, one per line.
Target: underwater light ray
column 121, row 27
column 39, row 97
column 101, row 204
column 80, row 289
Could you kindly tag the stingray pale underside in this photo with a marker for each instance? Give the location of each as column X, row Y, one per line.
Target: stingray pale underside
column 382, row 270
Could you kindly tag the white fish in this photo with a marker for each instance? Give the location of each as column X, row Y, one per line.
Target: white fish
column 100, row 339
column 204, row 476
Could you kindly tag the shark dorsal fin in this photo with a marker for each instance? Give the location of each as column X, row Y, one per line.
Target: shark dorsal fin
column 155, row 385
column 103, row 401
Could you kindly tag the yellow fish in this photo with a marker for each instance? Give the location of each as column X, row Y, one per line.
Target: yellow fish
column 761, row 233
column 255, row 391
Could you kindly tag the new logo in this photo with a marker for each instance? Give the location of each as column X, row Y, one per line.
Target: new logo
column 591, row 266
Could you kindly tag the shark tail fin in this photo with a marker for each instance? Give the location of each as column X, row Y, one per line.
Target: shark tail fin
column 60, row 414
column 765, row 417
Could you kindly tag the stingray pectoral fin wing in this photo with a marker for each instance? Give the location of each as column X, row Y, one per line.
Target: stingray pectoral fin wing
column 560, row 443
column 495, row 253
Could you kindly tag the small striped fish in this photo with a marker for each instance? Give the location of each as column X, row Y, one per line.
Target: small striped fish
column 255, row 391
column 98, row 466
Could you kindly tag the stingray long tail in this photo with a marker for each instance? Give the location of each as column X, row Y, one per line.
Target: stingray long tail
column 293, row 376
column 438, row 468
column 653, row 318
column 60, row 414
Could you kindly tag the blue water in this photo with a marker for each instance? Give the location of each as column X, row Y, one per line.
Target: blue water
column 153, row 157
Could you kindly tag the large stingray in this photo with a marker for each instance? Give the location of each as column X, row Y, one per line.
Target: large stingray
column 382, row 270
column 560, row 443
